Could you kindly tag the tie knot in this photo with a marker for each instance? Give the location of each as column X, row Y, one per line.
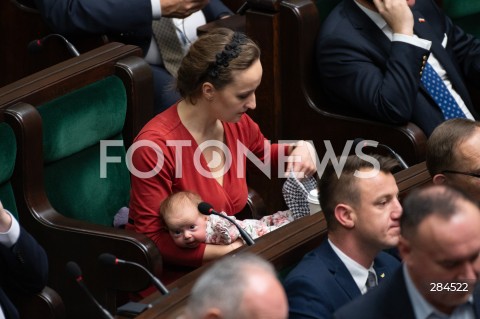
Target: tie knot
column 371, row 280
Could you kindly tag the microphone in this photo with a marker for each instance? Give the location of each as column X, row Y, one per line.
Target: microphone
column 109, row 259
column 243, row 8
column 207, row 209
column 37, row 45
column 390, row 150
column 74, row 270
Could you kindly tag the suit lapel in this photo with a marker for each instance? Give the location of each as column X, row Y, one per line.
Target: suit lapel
column 423, row 29
column 399, row 305
column 340, row 272
column 366, row 27
column 476, row 300
column 382, row 270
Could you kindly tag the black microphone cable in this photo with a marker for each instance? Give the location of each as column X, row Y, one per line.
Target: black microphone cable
column 37, row 45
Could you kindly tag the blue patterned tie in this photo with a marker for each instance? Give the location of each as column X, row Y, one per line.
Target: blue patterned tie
column 439, row 92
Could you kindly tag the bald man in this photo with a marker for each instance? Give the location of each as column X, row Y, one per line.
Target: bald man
column 243, row 286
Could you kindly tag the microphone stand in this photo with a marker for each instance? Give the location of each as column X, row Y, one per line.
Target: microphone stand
column 248, row 239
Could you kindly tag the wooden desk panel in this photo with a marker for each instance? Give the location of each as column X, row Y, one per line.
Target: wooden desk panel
column 283, row 247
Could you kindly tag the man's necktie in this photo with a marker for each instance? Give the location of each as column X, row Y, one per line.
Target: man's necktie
column 439, row 92
column 371, row 280
column 171, row 49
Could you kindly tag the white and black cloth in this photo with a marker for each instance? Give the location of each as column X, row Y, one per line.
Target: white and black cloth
column 295, row 193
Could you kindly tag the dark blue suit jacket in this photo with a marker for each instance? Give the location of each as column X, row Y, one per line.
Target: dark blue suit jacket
column 388, row 301
column 23, row 271
column 320, row 283
column 383, row 77
column 126, row 21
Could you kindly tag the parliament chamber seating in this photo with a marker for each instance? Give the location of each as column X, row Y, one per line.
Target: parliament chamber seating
column 283, row 247
column 60, row 116
column 303, row 100
column 290, row 105
column 47, row 304
column 21, row 23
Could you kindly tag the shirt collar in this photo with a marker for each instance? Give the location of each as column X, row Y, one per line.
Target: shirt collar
column 374, row 16
column 421, row 307
column 358, row 272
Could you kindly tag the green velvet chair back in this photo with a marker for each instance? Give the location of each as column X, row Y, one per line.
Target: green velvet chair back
column 465, row 13
column 325, row 6
column 8, row 151
column 73, row 127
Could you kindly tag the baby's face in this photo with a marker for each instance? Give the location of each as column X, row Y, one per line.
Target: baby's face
column 187, row 226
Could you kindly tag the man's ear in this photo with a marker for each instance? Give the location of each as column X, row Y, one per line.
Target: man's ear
column 345, row 215
column 208, row 91
column 404, row 248
column 213, row 313
column 439, row 179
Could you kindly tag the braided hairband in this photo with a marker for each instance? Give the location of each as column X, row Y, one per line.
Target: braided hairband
column 230, row 52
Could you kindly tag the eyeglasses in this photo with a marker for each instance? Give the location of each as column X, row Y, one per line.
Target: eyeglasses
column 462, row 173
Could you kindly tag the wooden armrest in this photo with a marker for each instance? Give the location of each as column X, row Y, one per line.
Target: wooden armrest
column 46, row 304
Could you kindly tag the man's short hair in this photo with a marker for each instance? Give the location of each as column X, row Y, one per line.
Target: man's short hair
column 334, row 189
column 440, row 200
column 443, row 142
column 224, row 284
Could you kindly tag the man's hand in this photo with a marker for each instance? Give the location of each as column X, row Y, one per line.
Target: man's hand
column 5, row 219
column 397, row 14
column 181, row 8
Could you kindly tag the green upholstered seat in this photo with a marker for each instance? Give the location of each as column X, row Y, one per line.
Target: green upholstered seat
column 465, row 13
column 73, row 127
column 8, row 150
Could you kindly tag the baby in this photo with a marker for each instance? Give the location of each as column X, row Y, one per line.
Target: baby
column 188, row 227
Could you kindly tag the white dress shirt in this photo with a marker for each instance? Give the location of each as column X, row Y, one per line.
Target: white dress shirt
column 8, row 239
column 186, row 32
column 424, row 310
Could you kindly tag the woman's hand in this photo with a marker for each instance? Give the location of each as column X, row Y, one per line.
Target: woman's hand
column 302, row 159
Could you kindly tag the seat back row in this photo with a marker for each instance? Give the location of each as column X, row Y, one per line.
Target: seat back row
column 59, row 118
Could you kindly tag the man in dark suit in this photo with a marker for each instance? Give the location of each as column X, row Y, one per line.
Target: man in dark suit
column 377, row 52
column 23, row 264
column 440, row 247
column 453, row 155
column 362, row 215
column 129, row 21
